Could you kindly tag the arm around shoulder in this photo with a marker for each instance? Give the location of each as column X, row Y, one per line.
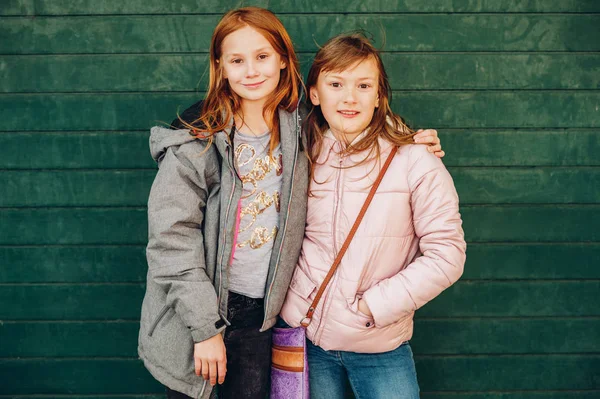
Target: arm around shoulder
column 438, row 225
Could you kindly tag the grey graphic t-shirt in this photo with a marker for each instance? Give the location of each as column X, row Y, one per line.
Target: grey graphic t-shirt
column 258, row 213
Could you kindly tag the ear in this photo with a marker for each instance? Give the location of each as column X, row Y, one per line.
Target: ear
column 314, row 96
column 282, row 65
column 377, row 102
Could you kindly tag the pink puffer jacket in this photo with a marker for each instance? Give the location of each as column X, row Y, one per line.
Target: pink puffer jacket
column 408, row 249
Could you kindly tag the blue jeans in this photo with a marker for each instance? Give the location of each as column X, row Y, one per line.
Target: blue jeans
column 371, row 375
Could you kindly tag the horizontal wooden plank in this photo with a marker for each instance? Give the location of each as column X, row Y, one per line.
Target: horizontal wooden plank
column 474, row 185
column 71, row 302
column 76, row 188
column 154, row 72
column 70, row 339
column 431, row 337
column 65, row 376
column 505, row 336
column 464, row 299
column 192, row 33
column 527, row 186
column 558, row 372
column 545, row 394
column 127, row 264
column 120, row 226
column 111, row 7
column 106, row 150
column 68, row 150
column 516, row 298
column 520, row 147
column 540, row 224
column 439, row 109
column 109, row 264
column 532, row 261
column 123, row 226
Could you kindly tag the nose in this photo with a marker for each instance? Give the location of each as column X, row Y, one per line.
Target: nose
column 251, row 70
column 350, row 95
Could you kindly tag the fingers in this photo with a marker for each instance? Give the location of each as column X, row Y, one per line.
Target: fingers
column 439, row 154
column 197, row 366
column 222, row 370
column 429, row 139
column 426, row 136
column 205, row 370
column 434, row 148
column 212, row 366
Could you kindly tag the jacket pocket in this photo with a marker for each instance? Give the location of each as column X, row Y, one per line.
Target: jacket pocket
column 363, row 320
column 302, row 284
column 157, row 320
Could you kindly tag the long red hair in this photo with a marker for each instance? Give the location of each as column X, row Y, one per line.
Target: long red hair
column 221, row 103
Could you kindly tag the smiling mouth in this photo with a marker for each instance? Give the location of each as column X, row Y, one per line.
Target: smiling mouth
column 254, row 85
column 348, row 114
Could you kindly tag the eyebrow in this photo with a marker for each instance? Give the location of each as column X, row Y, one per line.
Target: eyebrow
column 339, row 77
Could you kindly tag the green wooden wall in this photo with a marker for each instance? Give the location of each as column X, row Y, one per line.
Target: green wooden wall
column 513, row 87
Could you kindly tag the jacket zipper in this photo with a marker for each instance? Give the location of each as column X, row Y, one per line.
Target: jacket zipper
column 224, row 229
column 328, row 292
column 267, row 297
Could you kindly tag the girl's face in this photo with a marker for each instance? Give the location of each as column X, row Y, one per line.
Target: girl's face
column 348, row 99
column 250, row 64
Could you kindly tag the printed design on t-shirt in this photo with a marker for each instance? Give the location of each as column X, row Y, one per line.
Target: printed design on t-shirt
column 259, row 201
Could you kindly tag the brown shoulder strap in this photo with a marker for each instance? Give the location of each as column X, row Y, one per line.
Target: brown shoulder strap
column 338, row 259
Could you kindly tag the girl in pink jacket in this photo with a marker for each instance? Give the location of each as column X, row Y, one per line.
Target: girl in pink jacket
column 409, row 247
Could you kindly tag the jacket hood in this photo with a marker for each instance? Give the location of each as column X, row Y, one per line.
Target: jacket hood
column 162, row 138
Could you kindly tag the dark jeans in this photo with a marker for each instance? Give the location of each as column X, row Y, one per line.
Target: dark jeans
column 248, row 352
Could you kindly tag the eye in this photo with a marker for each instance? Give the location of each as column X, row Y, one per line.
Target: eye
column 335, row 84
column 263, row 56
column 236, row 61
column 364, row 86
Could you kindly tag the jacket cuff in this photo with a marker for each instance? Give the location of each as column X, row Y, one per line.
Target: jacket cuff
column 208, row 330
column 379, row 304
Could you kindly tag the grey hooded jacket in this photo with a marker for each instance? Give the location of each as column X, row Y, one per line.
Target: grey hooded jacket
column 191, row 221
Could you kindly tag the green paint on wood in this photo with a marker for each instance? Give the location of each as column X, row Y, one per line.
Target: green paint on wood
column 107, row 264
column 166, row 72
column 569, row 147
column 550, row 223
column 556, row 372
column 131, row 188
column 86, row 376
column 124, row 150
column 71, row 150
column 464, row 299
column 445, row 109
column 432, row 337
column 512, row 85
column 183, row 33
column 89, row 7
column 544, row 394
column 127, row 264
column 532, row 261
column 527, row 372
